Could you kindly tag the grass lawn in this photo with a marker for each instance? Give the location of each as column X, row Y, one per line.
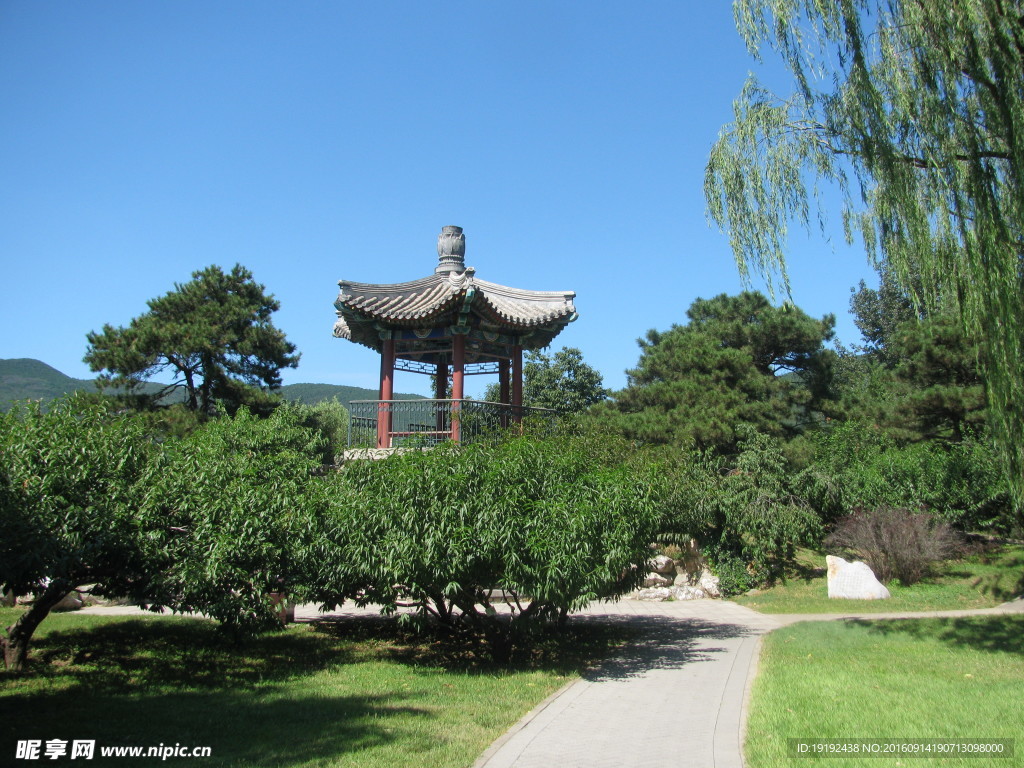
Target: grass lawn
column 979, row 581
column 352, row 693
column 917, row 678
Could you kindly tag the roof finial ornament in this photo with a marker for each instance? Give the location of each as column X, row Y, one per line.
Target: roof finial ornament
column 451, row 250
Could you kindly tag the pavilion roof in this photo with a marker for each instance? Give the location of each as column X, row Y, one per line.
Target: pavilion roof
column 452, row 296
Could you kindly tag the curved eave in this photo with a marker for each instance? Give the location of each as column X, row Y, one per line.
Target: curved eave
column 363, row 308
column 526, row 309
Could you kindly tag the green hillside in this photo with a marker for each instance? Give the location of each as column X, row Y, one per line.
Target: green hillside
column 28, row 379
column 314, row 393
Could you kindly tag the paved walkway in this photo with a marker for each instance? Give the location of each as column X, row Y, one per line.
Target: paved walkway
column 676, row 696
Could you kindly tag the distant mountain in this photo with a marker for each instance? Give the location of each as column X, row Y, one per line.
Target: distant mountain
column 314, row 393
column 25, row 378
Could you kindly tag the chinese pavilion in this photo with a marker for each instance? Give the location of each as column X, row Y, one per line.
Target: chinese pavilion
column 449, row 324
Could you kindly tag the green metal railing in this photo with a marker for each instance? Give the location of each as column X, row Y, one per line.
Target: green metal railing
column 397, row 423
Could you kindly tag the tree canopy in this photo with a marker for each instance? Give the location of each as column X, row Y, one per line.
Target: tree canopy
column 915, row 111
column 214, row 334
column 68, row 500
column 562, row 382
column 695, row 383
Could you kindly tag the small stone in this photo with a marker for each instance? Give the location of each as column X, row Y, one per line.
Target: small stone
column 853, row 581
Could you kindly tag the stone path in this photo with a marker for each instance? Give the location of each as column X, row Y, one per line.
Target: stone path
column 675, row 697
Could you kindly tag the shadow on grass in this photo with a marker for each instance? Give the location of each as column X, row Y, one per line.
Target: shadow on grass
column 996, row 634
column 567, row 651
column 1008, row 583
column 167, row 652
column 240, row 727
column 805, row 572
column 598, row 647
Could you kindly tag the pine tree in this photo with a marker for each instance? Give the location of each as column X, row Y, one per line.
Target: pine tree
column 214, row 334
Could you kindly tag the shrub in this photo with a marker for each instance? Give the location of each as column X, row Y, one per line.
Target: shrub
column 895, row 542
column 233, row 512
column 68, row 499
column 551, row 522
column 856, row 465
column 744, row 516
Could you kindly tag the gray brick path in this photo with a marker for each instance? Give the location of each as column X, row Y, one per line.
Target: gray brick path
column 673, row 698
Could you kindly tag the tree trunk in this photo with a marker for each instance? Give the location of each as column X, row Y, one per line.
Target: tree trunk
column 15, row 645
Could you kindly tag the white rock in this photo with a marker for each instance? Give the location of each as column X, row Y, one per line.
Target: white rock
column 662, row 564
column 853, row 581
column 71, row 602
column 657, row 580
column 688, row 593
column 654, row 594
column 709, row 583
column 681, row 580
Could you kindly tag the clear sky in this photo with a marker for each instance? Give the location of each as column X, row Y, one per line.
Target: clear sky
column 313, row 141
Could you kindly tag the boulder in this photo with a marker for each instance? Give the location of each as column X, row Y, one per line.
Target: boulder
column 662, row 564
column 853, row 581
column 71, row 602
column 657, row 580
column 655, row 594
column 709, row 583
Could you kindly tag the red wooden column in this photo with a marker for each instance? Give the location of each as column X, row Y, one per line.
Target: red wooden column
column 441, row 388
column 503, row 388
column 458, row 375
column 387, row 391
column 517, row 382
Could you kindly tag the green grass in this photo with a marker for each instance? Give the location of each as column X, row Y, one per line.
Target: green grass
column 980, row 581
column 352, row 693
column 914, row 678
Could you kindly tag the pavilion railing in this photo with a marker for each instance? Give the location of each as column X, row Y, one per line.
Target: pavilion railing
column 429, row 422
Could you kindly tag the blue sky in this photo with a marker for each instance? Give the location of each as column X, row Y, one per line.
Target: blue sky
column 315, row 141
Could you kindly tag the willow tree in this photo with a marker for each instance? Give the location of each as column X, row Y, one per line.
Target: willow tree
column 914, row 111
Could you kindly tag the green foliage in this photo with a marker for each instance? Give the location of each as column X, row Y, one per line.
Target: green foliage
column 744, row 515
column 758, row 518
column 548, row 521
column 67, row 506
column 330, row 419
column 233, row 511
column 946, row 398
column 694, row 384
column 914, row 111
column 561, row 382
column 859, row 465
column 214, row 334
column 877, row 314
column 918, row 375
